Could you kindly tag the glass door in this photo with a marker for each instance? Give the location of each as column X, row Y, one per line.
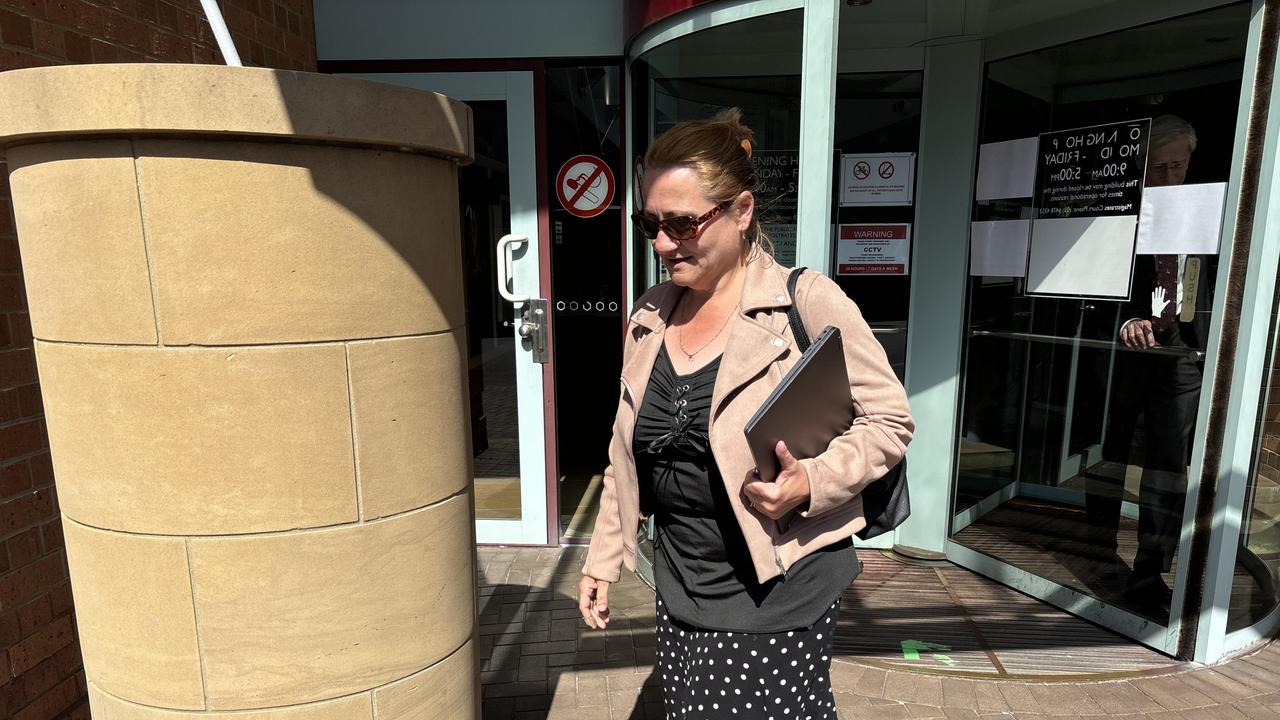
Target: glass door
column 1077, row 439
column 506, row 338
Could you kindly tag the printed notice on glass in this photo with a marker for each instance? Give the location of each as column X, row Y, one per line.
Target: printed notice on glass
column 874, row 249
column 877, row 179
column 784, row 241
column 1088, row 195
column 778, row 174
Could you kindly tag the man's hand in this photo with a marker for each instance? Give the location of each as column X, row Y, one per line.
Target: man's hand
column 1139, row 335
column 776, row 499
column 593, row 601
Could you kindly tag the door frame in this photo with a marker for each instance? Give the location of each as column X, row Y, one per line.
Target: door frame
column 524, row 82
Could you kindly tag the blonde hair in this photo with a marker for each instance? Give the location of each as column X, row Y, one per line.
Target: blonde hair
column 719, row 151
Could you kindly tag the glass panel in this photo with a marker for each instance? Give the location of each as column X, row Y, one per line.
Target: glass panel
column 873, row 25
column 584, row 106
column 877, row 117
column 1075, row 444
column 698, row 75
column 1257, row 571
column 484, row 193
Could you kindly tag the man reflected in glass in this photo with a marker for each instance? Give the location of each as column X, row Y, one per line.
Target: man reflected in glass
column 1155, row 389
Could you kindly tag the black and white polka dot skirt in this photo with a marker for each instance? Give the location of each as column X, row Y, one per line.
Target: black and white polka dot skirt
column 764, row 676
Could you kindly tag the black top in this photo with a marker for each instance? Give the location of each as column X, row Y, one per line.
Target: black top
column 702, row 568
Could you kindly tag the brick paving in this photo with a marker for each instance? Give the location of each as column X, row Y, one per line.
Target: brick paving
column 539, row 660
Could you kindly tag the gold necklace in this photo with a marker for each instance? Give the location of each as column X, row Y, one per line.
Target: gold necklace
column 680, row 336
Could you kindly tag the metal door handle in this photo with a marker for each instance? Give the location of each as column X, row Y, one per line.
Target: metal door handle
column 504, row 267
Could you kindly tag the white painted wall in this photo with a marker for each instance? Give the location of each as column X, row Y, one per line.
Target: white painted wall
column 453, row 29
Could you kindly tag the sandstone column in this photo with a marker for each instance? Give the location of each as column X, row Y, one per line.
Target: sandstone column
column 245, row 287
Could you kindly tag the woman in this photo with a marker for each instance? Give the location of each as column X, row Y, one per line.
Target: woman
column 748, row 573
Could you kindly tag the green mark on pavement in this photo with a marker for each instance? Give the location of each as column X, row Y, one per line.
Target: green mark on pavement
column 911, row 651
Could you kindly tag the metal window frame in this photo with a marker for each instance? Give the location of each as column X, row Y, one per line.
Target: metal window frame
column 1249, row 368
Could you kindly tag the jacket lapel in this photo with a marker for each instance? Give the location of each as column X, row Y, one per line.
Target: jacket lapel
column 648, row 323
column 753, row 343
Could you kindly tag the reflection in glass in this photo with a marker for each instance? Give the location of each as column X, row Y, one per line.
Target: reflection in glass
column 584, row 107
column 1078, row 413
column 698, row 75
column 484, row 193
column 1257, row 570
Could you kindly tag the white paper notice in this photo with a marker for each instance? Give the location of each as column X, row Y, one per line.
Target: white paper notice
column 1007, row 169
column 998, row 248
column 1081, row 257
column 1181, row 219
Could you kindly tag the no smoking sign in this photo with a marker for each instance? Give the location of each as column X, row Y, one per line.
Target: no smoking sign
column 585, row 186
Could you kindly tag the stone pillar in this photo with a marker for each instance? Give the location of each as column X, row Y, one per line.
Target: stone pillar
column 246, row 289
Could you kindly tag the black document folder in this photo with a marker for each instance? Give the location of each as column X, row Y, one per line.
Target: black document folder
column 808, row 409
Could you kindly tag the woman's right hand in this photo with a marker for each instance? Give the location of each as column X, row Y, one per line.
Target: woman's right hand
column 593, row 601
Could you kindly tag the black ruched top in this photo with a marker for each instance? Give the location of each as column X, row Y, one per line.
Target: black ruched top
column 702, row 569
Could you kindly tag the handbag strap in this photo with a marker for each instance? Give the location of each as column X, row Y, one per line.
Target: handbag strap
column 793, row 312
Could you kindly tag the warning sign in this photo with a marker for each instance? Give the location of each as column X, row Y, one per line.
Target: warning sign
column 874, row 249
column 585, row 186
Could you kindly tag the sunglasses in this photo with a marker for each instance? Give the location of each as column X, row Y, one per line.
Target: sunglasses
column 679, row 228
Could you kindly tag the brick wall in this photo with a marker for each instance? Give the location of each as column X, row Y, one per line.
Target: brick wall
column 41, row 675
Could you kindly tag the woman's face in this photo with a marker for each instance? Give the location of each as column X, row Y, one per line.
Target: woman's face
column 700, row 262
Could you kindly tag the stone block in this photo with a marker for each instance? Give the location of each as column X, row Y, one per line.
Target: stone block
column 197, row 441
column 299, row 617
column 135, row 616
column 295, row 243
column 106, row 706
column 80, row 230
column 445, row 691
column 282, row 105
column 413, row 442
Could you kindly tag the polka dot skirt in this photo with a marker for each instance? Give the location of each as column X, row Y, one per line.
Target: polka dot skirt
column 764, row 676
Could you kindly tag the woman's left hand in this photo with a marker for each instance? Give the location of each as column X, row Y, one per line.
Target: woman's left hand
column 788, row 492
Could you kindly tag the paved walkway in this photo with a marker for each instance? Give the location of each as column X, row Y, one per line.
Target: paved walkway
column 538, row 660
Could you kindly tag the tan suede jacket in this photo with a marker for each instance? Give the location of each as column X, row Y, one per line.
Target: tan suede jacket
column 759, row 352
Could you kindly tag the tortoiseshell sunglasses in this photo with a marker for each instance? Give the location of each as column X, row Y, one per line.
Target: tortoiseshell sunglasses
column 679, row 228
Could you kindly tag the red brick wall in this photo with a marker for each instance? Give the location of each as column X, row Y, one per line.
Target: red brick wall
column 41, row 674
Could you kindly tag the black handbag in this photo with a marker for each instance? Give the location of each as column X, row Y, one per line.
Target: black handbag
column 885, row 502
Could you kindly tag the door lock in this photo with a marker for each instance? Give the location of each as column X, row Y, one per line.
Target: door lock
column 533, row 328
